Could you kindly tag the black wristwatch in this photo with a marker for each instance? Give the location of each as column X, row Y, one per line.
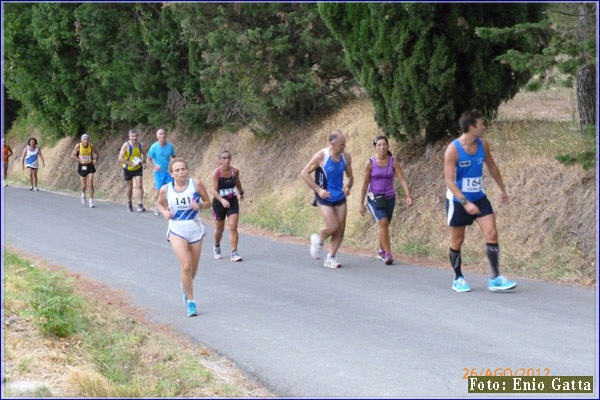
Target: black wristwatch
column 463, row 201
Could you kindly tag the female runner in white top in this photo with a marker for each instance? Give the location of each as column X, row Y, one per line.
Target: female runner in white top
column 180, row 202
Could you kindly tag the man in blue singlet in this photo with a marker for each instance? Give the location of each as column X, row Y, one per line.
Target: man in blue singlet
column 466, row 200
column 330, row 164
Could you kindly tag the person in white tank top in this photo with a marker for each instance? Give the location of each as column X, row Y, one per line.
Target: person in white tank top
column 180, row 203
column 30, row 159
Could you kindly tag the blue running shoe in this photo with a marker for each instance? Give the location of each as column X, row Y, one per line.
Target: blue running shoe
column 460, row 285
column 191, row 308
column 501, row 283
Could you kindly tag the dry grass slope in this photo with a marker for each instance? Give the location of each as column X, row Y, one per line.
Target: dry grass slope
column 547, row 232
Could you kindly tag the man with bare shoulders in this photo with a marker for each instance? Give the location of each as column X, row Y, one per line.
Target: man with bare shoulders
column 86, row 157
column 133, row 160
column 466, row 200
column 329, row 165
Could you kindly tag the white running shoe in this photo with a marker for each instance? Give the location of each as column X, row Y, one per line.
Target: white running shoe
column 91, row 203
column 217, row 252
column 331, row 262
column 155, row 209
column 315, row 246
column 235, row 257
column 83, row 200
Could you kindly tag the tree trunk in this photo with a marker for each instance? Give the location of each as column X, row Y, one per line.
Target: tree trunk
column 586, row 74
column 586, row 95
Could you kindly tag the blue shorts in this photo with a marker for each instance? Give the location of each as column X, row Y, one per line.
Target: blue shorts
column 324, row 202
column 458, row 216
column 161, row 178
column 380, row 213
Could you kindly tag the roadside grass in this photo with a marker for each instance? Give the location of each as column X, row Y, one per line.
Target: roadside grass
column 415, row 249
column 552, row 237
column 286, row 215
column 91, row 348
column 18, row 179
column 540, row 138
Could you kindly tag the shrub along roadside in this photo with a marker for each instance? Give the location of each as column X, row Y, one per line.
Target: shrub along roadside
column 88, row 348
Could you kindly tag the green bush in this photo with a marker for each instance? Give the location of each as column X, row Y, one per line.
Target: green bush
column 56, row 308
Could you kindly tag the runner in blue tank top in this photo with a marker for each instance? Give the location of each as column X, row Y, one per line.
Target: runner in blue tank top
column 329, row 165
column 466, row 200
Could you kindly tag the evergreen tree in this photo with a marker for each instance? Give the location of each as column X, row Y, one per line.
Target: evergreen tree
column 41, row 70
column 565, row 42
column 124, row 80
column 422, row 64
column 259, row 62
column 77, row 67
column 101, row 66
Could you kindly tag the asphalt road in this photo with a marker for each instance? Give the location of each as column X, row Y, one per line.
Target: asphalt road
column 365, row 330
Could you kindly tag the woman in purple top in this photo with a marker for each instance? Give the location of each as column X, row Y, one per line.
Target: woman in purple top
column 380, row 171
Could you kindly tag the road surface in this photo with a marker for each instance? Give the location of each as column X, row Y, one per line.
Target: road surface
column 365, row 330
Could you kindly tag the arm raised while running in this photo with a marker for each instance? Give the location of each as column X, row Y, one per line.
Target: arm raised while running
column 203, row 193
column 161, row 203
column 238, row 183
column 75, row 153
column 349, row 175
column 314, row 163
column 122, row 155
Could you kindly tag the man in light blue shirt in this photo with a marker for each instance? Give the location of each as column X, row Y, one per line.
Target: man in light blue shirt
column 159, row 157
